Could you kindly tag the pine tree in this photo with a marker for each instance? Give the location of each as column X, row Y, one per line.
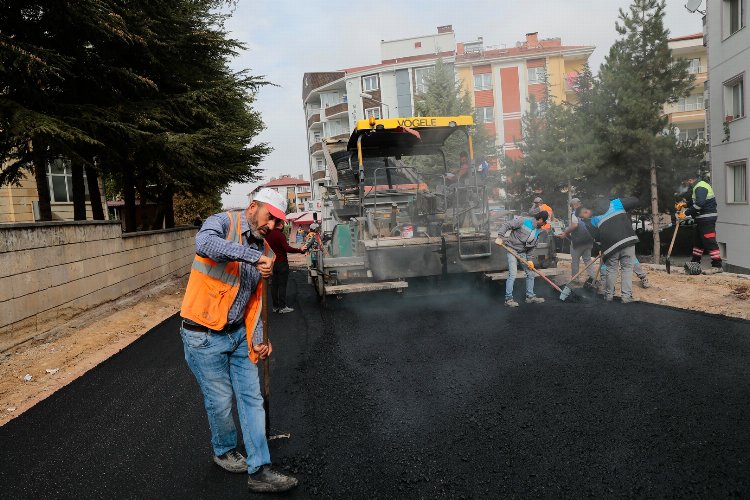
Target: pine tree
column 637, row 78
column 446, row 96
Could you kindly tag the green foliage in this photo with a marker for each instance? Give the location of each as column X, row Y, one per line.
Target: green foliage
column 144, row 85
column 189, row 208
column 445, row 96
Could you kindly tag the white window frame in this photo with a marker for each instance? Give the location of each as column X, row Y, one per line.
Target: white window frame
column 317, row 137
column 537, row 74
column 319, row 164
column 693, row 102
column 698, row 135
column 732, row 169
column 483, row 81
column 731, row 108
column 694, row 65
column 366, row 80
column 372, row 112
column 729, row 29
column 420, row 75
column 67, row 177
column 485, row 114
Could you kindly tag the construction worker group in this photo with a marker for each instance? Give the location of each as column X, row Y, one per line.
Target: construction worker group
column 603, row 229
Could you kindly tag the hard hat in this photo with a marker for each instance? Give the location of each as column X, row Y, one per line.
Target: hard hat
column 275, row 202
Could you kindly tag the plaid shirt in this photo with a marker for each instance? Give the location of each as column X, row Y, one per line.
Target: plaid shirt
column 211, row 241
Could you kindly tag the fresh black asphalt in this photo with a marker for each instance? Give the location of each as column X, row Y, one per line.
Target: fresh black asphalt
column 446, row 395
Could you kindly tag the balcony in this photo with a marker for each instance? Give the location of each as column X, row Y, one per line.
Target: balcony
column 337, row 110
column 313, row 119
column 316, row 148
column 320, row 174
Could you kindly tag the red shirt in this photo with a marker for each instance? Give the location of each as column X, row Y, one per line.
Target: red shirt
column 280, row 246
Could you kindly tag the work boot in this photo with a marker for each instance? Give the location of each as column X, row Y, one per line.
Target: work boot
column 607, row 298
column 232, row 461
column 534, row 300
column 275, row 309
column 511, row 303
column 285, row 310
column 716, row 263
column 627, row 300
column 645, row 283
column 267, row 480
column 589, row 283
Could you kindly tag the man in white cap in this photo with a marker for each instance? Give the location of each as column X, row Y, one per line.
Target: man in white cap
column 222, row 334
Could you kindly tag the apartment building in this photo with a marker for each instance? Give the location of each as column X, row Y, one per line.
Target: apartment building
column 728, row 39
column 296, row 190
column 688, row 114
column 499, row 79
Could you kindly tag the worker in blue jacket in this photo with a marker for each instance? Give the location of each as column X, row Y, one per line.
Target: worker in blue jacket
column 618, row 240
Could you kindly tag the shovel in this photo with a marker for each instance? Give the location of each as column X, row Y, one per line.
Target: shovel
column 671, row 245
column 514, row 254
column 566, row 289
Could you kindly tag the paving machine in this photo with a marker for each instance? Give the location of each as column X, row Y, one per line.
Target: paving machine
column 384, row 224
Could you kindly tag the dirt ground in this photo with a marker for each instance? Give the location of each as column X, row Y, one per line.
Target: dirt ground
column 74, row 348
column 727, row 294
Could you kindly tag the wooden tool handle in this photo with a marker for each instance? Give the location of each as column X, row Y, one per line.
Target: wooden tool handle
column 674, row 237
column 585, row 268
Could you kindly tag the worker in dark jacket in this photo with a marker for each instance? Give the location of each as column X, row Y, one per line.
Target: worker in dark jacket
column 523, row 236
column 701, row 206
column 581, row 240
column 277, row 241
column 618, row 239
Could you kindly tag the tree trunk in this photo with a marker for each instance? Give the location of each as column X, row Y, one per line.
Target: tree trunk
column 92, row 177
column 169, row 207
column 570, row 193
column 79, row 192
column 39, row 154
column 655, row 212
column 128, row 192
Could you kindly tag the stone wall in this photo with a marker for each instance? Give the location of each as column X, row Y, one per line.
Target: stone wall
column 52, row 271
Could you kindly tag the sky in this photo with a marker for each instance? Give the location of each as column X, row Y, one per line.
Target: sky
column 286, row 38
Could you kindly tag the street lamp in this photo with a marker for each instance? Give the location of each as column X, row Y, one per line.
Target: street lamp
column 387, row 107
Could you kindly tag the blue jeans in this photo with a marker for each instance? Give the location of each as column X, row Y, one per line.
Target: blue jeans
column 512, row 270
column 222, row 368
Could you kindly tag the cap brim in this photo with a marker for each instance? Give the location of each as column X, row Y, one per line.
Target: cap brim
column 279, row 214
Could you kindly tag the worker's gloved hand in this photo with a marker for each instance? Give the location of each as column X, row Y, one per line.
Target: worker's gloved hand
column 690, row 211
column 680, row 205
column 263, row 350
column 681, row 215
column 530, row 264
column 499, row 241
column 265, row 266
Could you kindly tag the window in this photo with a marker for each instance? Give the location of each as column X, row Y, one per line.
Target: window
column 734, row 98
column 483, row 81
column 537, row 75
column 537, row 107
column 421, row 75
column 692, row 135
column 737, row 182
column 694, row 66
column 60, row 178
column 372, row 112
column 316, row 137
column 692, row 102
column 370, row 83
column 734, row 15
column 319, row 164
column 485, row 115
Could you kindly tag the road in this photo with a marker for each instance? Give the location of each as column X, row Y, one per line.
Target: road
column 439, row 396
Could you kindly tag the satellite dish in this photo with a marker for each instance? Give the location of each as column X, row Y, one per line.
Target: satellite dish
column 693, row 5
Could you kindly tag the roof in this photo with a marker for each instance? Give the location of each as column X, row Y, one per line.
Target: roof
column 400, row 60
column 522, row 51
column 303, row 218
column 694, row 36
column 286, row 181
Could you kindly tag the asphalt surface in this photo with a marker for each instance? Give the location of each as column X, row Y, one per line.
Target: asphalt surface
column 432, row 396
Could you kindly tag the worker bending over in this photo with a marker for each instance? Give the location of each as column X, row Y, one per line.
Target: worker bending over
column 222, row 334
column 523, row 236
column 701, row 206
column 618, row 240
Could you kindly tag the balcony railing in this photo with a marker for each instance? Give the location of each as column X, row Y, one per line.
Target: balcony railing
column 313, row 119
column 318, row 146
column 337, row 109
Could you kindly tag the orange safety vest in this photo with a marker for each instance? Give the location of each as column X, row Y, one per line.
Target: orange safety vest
column 213, row 286
column 547, row 209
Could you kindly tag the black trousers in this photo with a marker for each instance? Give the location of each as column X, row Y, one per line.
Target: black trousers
column 705, row 240
column 278, row 284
